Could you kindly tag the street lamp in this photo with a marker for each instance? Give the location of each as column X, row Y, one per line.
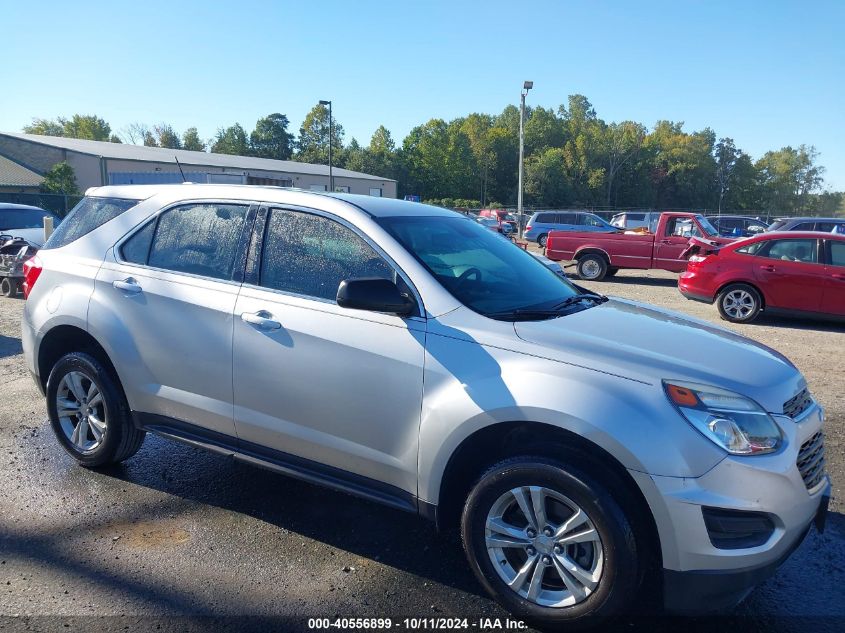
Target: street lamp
column 528, row 85
column 331, row 176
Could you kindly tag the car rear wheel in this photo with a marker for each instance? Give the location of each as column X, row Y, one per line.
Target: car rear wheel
column 592, row 267
column 542, row 240
column 739, row 303
column 89, row 413
column 9, row 287
column 550, row 542
column 611, row 271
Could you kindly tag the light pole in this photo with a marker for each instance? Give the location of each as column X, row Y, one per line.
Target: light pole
column 331, row 176
column 528, row 85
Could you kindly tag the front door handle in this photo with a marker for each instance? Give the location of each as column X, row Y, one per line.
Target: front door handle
column 768, row 268
column 128, row 285
column 261, row 319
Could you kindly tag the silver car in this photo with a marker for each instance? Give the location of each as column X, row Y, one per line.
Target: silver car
column 588, row 449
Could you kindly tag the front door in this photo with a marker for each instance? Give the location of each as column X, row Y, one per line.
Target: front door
column 833, row 299
column 329, row 390
column 674, row 241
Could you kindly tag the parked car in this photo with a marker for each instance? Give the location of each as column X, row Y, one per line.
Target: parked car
column 600, row 255
column 502, row 216
column 543, row 222
column 797, row 272
column 827, row 225
column 25, row 222
column 584, row 446
column 495, row 225
column 737, row 225
column 635, row 220
column 14, row 251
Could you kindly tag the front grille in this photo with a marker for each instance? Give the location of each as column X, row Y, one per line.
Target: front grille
column 811, row 461
column 797, row 404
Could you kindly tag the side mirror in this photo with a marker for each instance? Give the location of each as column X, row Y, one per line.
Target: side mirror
column 374, row 294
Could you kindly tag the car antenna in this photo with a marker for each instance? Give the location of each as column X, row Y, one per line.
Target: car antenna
column 180, row 168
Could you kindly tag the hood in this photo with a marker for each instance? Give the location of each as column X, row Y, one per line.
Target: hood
column 640, row 341
column 33, row 236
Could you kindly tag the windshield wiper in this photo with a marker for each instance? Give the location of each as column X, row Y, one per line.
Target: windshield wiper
column 584, row 296
column 525, row 314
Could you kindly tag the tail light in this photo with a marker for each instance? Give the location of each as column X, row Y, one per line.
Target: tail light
column 31, row 271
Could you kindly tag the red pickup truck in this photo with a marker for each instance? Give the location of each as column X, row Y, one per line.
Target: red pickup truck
column 664, row 246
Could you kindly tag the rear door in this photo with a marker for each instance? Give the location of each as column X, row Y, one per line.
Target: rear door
column 791, row 274
column 166, row 298
column 833, row 297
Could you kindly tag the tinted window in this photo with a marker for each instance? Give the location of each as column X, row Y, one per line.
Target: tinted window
column 589, row 219
column 136, row 249
column 792, row 250
column 86, row 216
column 546, row 218
column 24, row 219
column 310, row 255
column 837, row 253
column 827, row 227
column 200, row 239
column 636, row 217
column 804, row 226
column 567, row 218
column 777, row 225
column 478, row 267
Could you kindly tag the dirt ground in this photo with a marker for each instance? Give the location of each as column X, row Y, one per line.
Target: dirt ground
column 179, row 532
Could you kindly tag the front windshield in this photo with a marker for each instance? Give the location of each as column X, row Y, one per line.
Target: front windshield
column 478, row 267
column 708, row 228
column 24, row 218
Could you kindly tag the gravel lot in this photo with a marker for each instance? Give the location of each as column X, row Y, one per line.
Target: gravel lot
column 179, row 532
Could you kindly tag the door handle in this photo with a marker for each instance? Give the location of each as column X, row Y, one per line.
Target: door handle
column 768, row 268
column 666, row 242
column 838, row 276
column 261, row 319
column 128, row 285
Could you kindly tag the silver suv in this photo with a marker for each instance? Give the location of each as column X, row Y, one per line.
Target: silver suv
column 589, row 450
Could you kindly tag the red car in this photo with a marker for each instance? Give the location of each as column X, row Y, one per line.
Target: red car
column 792, row 272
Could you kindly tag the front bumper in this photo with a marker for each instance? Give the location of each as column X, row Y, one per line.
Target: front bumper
column 699, row 575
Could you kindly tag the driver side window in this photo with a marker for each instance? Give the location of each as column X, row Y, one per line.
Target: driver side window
column 310, row 255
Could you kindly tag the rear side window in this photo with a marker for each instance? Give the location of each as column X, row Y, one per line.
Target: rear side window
column 546, row 218
column 86, row 216
column 310, row 255
column 200, row 239
column 792, row 251
column 24, row 219
column 805, row 226
column 567, row 218
column 750, row 249
column 827, row 227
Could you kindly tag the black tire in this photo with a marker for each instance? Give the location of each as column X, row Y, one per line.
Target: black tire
column 623, row 566
column 9, row 287
column 611, row 271
column 592, row 267
column 739, row 303
column 542, row 239
column 121, row 439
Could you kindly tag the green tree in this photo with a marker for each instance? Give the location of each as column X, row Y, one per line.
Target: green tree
column 547, row 180
column 85, row 126
column 60, row 178
column 271, row 139
column 191, row 140
column 727, row 156
column 114, row 138
column 313, row 143
column 788, row 177
column 166, row 136
column 620, row 144
column 231, row 140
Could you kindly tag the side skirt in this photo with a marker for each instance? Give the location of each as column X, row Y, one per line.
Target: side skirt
column 285, row 463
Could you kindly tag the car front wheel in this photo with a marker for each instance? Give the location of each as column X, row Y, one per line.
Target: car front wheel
column 550, row 542
column 542, row 240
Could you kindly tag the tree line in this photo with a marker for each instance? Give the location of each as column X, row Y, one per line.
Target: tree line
column 573, row 158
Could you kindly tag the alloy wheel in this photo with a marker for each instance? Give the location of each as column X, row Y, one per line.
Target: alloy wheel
column 544, row 546
column 81, row 410
column 739, row 304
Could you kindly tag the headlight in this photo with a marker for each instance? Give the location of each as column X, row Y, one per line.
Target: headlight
column 734, row 422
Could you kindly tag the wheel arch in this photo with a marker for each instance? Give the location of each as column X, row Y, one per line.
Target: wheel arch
column 591, row 250
column 763, row 300
column 491, row 444
column 63, row 339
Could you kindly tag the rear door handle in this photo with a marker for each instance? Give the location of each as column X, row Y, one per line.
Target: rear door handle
column 262, row 319
column 128, row 285
column 769, row 268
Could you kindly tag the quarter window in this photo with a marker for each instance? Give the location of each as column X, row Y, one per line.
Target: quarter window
column 750, row 249
column 310, row 255
column 200, row 239
column 136, row 249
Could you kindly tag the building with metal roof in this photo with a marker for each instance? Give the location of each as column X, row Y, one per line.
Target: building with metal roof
column 16, row 178
column 98, row 163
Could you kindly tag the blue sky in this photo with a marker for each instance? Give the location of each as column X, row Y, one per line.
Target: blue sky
column 766, row 73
